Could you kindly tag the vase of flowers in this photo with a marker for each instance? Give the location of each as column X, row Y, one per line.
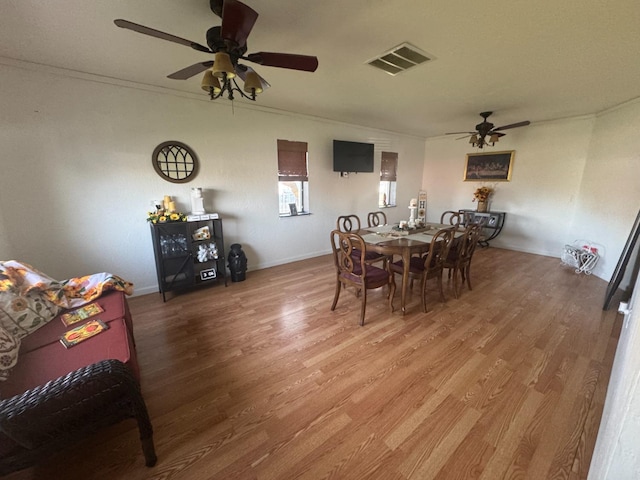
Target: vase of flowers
column 481, row 195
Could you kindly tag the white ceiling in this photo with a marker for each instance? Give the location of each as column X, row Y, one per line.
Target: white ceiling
column 525, row 60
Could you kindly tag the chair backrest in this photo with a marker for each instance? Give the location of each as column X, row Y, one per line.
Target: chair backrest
column 375, row 219
column 348, row 223
column 450, row 218
column 439, row 250
column 469, row 242
column 472, row 242
column 344, row 244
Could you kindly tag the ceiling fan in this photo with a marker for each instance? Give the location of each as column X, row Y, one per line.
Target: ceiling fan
column 228, row 42
column 486, row 129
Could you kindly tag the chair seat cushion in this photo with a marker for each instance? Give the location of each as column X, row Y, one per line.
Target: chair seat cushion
column 53, row 360
column 416, row 265
column 453, row 256
column 43, row 357
column 374, row 275
column 367, row 256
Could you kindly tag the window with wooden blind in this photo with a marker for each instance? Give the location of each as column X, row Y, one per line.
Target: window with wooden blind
column 388, row 174
column 293, row 178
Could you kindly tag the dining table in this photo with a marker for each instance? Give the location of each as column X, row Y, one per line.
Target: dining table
column 390, row 240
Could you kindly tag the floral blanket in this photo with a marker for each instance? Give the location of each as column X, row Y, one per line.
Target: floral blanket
column 30, row 299
column 19, row 279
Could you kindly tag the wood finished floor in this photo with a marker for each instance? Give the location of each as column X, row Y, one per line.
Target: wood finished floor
column 260, row 380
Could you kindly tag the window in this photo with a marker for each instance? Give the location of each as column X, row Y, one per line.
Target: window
column 293, row 178
column 388, row 168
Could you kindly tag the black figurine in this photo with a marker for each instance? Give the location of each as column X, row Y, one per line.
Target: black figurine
column 237, row 263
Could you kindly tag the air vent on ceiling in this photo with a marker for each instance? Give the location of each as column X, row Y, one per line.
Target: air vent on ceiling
column 400, row 58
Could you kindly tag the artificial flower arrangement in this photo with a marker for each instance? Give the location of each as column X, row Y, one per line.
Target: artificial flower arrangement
column 482, row 194
column 165, row 217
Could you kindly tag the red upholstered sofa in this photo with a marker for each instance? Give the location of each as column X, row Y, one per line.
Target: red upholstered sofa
column 54, row 395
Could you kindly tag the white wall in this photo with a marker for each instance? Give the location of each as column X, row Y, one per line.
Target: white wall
column 78, row 179
column 5, row 251
column 611, row 190
column 572, row 179
column 616, row 455
column 609, row 198
column 540, row 198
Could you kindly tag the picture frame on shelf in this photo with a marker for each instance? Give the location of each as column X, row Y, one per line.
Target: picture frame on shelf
column 293, row 209
column 489, row 166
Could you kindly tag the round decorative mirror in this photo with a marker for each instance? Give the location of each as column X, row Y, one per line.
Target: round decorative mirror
column 175, row 162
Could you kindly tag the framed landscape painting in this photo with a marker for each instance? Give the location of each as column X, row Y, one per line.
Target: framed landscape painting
column 493, row 166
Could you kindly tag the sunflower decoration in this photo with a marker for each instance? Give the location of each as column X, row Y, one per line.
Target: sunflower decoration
column 166, row 217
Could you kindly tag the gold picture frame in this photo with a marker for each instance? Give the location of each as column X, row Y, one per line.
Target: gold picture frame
column 489, row 166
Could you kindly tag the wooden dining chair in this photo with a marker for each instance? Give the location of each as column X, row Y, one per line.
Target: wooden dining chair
column 459, row 258
column 348, row 223
column 450, row 217
column 375, row 219
column 353, row 271
column 351, row 223
column 430, row 265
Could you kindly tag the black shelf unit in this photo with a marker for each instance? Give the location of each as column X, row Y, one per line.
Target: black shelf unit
column 493, row 223
column 176, row 248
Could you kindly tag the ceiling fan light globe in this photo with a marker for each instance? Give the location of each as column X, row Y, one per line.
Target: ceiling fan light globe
column 209, row 82
column 252, row 83
column 473, row 139
column 494, row 138
column 222, row 66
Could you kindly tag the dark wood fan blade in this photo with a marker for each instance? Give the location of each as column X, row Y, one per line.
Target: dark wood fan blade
column 190, row 71
column 158, row 34
column 237, row 21
column 242, row 71
column 285, row 60
column 216, row 7
column 460, row 133
column 513, row 125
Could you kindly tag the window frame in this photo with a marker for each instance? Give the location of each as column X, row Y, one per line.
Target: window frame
column 387, row 188
column 293, row 167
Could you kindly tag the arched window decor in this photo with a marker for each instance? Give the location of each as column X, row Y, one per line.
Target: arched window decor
column 175, row 162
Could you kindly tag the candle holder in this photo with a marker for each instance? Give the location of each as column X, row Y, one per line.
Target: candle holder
column 412, row 216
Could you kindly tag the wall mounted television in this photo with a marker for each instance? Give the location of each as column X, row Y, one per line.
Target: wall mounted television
column 352, row 156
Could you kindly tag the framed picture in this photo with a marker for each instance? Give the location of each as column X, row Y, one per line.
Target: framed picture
column 293, row 209
column 493, row 166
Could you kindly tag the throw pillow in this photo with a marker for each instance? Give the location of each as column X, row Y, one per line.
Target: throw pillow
column 9, row 347
column 24, row 314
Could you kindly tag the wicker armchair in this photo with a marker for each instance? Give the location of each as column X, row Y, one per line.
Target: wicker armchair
column 59, row 413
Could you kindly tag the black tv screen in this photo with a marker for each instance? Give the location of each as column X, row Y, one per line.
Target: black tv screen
column 352, row 156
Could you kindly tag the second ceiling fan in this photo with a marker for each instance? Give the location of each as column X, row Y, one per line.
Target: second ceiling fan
column 486, row 129
column 228, row 42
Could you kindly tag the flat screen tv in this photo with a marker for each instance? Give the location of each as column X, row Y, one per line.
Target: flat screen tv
column 352, row 156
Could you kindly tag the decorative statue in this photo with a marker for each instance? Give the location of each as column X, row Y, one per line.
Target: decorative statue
column 237, row 263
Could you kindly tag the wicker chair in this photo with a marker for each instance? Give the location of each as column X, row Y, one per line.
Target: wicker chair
column 50, row 417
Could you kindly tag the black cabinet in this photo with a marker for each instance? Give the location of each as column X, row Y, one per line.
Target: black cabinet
column 188, row 254
column 492, row 223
